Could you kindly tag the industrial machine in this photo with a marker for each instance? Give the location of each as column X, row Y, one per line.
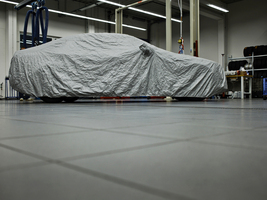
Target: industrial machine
column 36, row 14
column 264, row 88
column 37, row 21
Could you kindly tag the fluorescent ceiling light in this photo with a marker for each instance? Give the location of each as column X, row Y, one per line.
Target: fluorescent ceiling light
column 10, row 2
column 141, row 29
column 217, row 7
column 112, row 3
column 91, row 6
column 138, row 10
column 79, row 16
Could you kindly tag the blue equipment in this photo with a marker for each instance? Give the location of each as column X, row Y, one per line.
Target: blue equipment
column 264, row 88
column 37, row 15
column 23, row 4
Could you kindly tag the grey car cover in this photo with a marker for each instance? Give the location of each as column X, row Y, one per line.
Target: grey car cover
column 106, row 64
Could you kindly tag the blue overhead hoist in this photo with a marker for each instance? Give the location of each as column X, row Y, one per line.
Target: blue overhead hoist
column 36, row 14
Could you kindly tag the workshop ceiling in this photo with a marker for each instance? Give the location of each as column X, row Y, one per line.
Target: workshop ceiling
column 230, row 1
column 156, row 6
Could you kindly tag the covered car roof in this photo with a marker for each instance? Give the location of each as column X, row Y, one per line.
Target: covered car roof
column 107, row 64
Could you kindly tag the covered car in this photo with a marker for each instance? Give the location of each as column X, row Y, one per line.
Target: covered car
column 112, row 65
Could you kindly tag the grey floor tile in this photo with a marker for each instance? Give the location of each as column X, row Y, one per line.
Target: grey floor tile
column 13, row 128
column 54, row 182
column 247, row 139
column 11, row 159
column 261, row 129
column 126, row 117
column 198, row 171
column 176, row 130
column 229, row 103
column 133, row 150
column 76, row 144
column 225, row 120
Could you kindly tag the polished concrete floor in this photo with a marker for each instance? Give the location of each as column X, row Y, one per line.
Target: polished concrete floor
column 129, row 150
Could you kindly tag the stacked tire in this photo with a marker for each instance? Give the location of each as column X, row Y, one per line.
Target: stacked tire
column 259, row 63
column 236, row 65
column 260, row 50
column 260, row 74
column 257, row 50
column 248, row 51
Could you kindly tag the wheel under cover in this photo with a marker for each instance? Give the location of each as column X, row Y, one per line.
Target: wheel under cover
column 70, row 99
column 59, row 100
column 51, row 100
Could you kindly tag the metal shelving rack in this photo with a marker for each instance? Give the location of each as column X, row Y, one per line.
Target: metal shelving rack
column 252, row 58
column 10, row 93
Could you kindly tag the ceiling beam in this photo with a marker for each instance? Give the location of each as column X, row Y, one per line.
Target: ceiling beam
column 203, row 11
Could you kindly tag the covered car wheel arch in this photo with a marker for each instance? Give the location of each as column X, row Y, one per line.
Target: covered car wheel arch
column 189, row 98
column 70, row 99
column 51, row 100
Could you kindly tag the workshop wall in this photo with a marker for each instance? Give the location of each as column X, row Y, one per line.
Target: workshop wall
column 2, row 47
column 208, row 37
column 59, row 25
column 247, row 25
column 137, row 33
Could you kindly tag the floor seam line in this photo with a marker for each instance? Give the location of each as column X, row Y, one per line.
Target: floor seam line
column 232, row 145
column 41, row 135
column 106, row 177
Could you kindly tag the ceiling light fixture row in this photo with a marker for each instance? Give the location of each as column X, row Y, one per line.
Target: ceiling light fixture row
column 138, row 10
column 218, row 8
column 79, row 16
column 119, row 5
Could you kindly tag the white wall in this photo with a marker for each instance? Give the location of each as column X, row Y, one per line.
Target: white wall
column 158, row 35
column 2, row 45
column 57, row 26
column 134, row 32
column 208, row 37
column 247, row 25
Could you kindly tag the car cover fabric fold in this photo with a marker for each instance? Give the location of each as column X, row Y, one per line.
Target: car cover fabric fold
column 107, row 64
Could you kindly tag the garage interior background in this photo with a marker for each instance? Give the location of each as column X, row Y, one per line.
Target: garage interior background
column 245, row 25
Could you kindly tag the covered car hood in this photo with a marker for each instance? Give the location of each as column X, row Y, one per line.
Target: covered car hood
column 106, row 64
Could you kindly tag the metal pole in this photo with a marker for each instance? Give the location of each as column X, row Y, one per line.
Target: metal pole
column 192, row 32
column 250, row 87
column 181, row 23
column 198, row 28
column 223, row 62
column 118, row 19
column 168, row 31
column 133, row 4
column 119, row 15
column 168, row 25
column 242, row 87
column 181, row 40
column 23, row 4
column 252, row 61
column 194, row 28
